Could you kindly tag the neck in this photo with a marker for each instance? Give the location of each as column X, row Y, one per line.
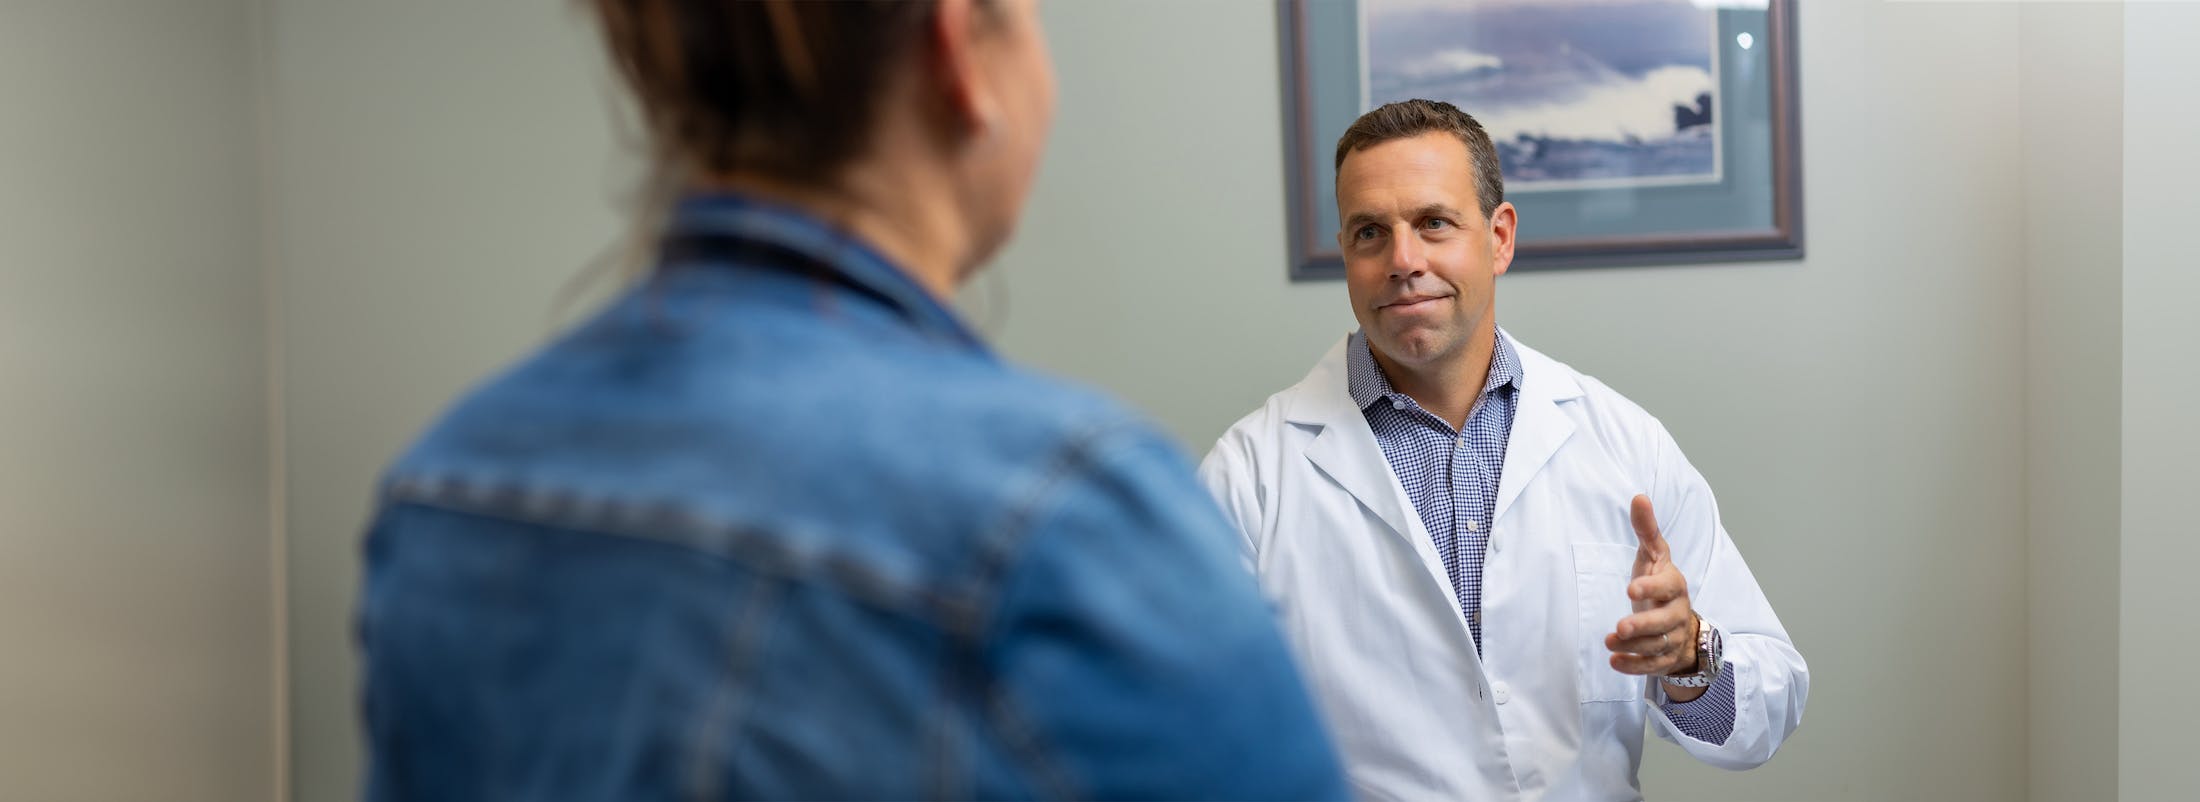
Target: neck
column 1446, row 387
column 904, row 216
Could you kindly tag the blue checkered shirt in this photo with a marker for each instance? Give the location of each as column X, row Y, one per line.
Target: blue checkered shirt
column 1451, row 476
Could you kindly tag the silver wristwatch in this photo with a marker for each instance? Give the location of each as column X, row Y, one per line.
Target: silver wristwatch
column 1710, row 657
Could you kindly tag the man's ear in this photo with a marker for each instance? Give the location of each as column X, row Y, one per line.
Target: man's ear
column 1504, row 226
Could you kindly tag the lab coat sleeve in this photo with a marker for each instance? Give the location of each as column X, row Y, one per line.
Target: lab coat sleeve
column 1229, row 475
column 1771, row 680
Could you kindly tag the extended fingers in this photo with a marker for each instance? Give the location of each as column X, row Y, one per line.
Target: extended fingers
column 1653, row 665
column 1646, row 525
column 1658, row 588
column 1645, row 646
column 1671, row 619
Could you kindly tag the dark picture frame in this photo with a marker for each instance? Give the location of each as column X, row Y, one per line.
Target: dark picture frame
column 1752, row 211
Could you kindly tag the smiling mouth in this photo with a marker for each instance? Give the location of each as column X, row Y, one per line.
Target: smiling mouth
column 1412, row 302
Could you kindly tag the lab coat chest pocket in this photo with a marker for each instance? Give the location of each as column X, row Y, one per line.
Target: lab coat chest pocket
column 1601, row 574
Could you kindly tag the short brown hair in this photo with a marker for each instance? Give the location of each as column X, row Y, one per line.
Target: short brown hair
column 781, row 88
column 1406, row 119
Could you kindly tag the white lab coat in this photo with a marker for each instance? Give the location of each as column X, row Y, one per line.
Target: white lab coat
column 1370, row 613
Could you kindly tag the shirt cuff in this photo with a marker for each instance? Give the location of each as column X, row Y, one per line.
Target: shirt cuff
column 1710, row 717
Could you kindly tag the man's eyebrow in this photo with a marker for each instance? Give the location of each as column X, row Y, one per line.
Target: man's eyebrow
column 1436, row 210
column 1358, row 219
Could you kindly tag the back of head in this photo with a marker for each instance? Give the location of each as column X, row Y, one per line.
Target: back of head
column 915, row 125
column 786, row 89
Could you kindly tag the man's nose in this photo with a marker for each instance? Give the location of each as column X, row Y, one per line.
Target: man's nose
column 1407, row 256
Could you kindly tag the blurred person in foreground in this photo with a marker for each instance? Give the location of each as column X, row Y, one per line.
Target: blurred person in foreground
column 776, row 524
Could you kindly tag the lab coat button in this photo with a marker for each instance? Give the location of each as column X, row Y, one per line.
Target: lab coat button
column 1499, row 692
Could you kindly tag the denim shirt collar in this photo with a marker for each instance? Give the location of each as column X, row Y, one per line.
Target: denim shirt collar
column 739, row 218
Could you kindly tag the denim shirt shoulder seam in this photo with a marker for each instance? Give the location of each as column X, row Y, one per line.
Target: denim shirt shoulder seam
column 675, row 524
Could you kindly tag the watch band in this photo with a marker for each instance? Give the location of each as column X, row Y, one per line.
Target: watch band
column 1710, row 657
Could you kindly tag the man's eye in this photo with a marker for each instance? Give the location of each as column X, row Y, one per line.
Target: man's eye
column 1435, row 224
column 1364, row 233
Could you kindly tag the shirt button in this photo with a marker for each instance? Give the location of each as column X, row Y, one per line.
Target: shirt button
column 1474, row 526
column 1499, row 692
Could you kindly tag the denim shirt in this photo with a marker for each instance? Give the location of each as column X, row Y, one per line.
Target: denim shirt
column 775, row 524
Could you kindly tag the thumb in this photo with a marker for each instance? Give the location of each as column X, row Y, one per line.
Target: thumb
column 1652, row 549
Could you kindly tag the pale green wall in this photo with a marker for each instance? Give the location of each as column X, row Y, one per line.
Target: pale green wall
column 136, row 632
column 2071, row 108
column 2161, row 379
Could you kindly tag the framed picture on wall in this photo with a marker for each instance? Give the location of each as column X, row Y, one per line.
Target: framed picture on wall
column 1631, row 132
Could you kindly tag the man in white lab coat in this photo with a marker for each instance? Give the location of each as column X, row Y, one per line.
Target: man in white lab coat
column 1494, row 569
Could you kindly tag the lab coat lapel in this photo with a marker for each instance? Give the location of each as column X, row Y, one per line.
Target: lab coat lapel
column 1540, row 426
column 1345, row 450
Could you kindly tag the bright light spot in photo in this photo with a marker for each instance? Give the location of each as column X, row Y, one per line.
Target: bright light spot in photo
column 1745, row 40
